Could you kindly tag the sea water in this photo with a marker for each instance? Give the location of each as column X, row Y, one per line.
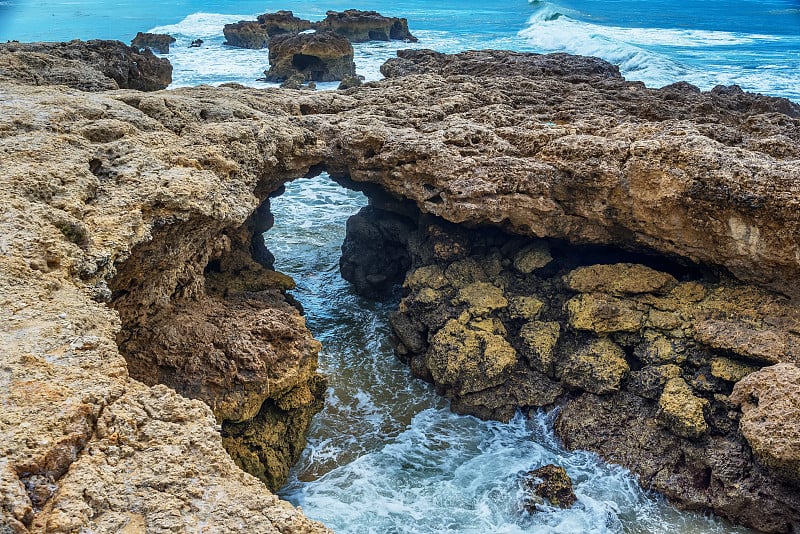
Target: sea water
column 755, row 44
column 386, row 455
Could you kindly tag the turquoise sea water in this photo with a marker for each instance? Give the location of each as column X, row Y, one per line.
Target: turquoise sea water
column 755, row 44
column 386, row 455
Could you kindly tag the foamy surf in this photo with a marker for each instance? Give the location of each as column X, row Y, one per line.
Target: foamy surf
column 387, row 456
column 661, row 56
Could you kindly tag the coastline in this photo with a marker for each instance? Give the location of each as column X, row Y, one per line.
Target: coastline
column 148, row 200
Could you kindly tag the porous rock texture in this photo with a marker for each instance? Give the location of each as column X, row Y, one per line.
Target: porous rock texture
column 255, row 34
column 129, row 217
column 320, row 56
column 361, row 26
column 130, row 228
column 95, row 65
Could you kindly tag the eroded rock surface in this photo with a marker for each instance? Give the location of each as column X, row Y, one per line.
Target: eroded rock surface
column 86, row 65
column 154, row 202
column 159, row 42
column 318, row 56
column 361, row 26
column 131, row 204
column 255, row 34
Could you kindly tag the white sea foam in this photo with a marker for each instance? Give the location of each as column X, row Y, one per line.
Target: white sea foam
column 652, row 55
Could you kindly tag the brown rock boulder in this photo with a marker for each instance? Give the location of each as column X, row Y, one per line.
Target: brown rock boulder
column 246, row 34
column 320, row 56
column 89, row 66
column 550, row 483
column 158, row 42
column 361, row 26
column 770, row 403
column 255, row 34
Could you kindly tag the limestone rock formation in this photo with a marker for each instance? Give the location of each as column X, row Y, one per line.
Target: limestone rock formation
column 158, row 42
column 89, row 66
column 771, row 416
column 522, row 182
column 319, row 56
column 494, row 338
column 550, row 483
column 255, row 34
column 361, row 26
column 123, row 206
column 246, row 34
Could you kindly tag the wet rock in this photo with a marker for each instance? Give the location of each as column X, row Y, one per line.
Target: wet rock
column 498, row 63
column 770, row 403
column 86, row 65
column 532, row 257
column 375, row 254
column 283, row 22
column 597, row 368
column 649, row 381
column 716, row 473
column 361, row 26
column 730, row 370
column 469, row 358
column 549, row 483
column 320, row 56
column 524, row 307
column 481, row 298
column 539, row 339
column 764, row 346
column 681, row 411
column 158, row 42
column 246, row 34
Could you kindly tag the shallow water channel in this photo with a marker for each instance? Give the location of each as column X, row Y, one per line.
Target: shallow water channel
column 387, row 456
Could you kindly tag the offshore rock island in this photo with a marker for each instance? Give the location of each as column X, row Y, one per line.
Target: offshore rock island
column 564, row 237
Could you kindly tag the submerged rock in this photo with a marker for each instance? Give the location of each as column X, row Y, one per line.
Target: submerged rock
column 551, row 484
column 320, row 56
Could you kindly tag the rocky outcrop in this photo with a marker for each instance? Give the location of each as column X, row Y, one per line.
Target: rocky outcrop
column 246, row 34
column 154, row 203
column 156, row 214
column 159, row 42
column 89, row 66
column 256, row 34
column 549, row 483
column 319, row 56
column 499, row 323
column 356, row 26
column 361, row 26
column 594, row 159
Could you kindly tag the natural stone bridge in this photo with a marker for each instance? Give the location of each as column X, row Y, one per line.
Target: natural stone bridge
column 131, row 256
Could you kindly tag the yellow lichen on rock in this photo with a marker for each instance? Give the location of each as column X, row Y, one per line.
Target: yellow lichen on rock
column 681, row 411
column 598, row 367
column 469, row 359
column 619, row 279
column 603, row 314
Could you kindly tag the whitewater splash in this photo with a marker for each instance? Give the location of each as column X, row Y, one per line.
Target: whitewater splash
column 661, row 56
column 387, row 456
